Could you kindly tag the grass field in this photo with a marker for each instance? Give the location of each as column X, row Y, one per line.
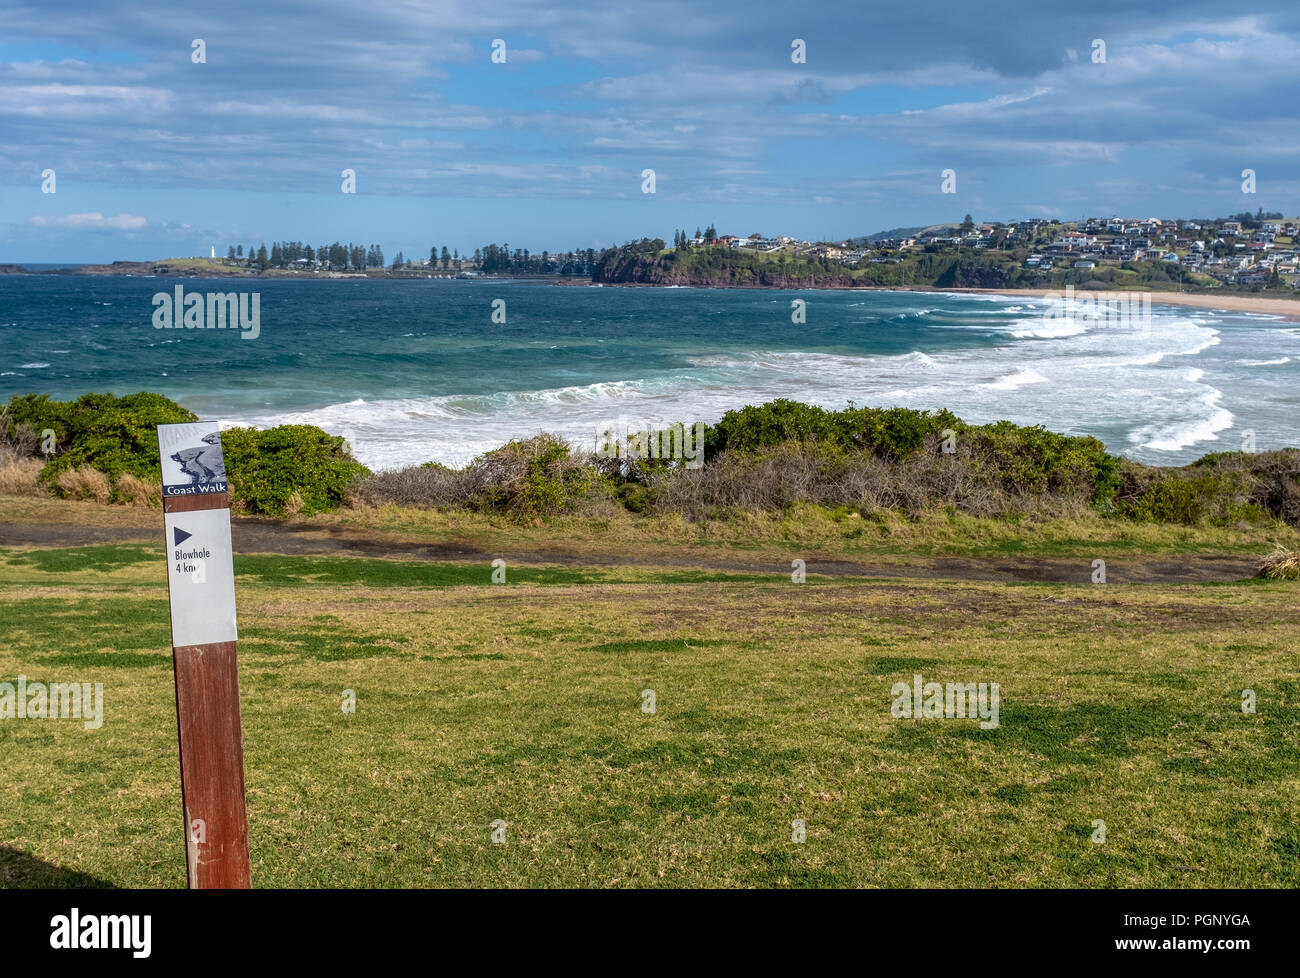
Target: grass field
column 523, row 702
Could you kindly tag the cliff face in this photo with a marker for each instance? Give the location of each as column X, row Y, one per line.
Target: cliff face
column 975, row 274
column 736, row 278
column 648, row 263
column 720, row 273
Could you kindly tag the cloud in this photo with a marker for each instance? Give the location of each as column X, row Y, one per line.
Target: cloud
column 91, row 221
column 705, row 94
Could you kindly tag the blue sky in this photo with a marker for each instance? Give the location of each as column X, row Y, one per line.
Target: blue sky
column 156, row 156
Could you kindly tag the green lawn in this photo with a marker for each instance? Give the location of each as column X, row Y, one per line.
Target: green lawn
column 522, row 702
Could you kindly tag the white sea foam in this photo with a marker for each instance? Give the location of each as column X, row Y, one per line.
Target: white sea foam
column 1204, row 425
column 1047, row 328
column 919, row 358
column 1018, row 378
column 1118, row 384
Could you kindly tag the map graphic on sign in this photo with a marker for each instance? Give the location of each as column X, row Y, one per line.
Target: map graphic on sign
column 191, row 458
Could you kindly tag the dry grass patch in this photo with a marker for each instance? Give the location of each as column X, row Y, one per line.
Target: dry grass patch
column 83, row 482
column 134, row 491
column 1281, row 565
column 20, row 477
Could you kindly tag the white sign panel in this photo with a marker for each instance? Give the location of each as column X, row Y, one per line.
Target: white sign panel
column 201, row 577
column 192, row 463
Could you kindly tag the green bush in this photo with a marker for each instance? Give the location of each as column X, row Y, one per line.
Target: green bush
column 542, row 491
column 752, row 429
column 1170, row 500
column 268, row 469
column 1033, row 460
column 1270, row 480
column 892, row 433
column 635, row 497
column 293, row 467
column 38, row 412
column 114, row 435
column 1021, row 460
column 534, row 478
column 1193, row 495
column 640, row 456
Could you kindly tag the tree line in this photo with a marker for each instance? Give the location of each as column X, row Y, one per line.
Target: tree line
column 497, row 259
column 285, row 254
column 489, row 259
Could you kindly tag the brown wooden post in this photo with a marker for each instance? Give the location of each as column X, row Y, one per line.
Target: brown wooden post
column 200, row 580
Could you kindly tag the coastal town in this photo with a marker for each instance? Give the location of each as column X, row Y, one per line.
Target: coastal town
column 1242, row 253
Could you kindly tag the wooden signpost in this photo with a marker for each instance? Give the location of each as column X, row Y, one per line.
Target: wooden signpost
column 201, row 588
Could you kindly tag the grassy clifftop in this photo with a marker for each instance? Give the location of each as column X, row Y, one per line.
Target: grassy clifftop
column 648, row 262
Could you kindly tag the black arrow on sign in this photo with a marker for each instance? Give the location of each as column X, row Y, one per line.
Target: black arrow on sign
column 181, row 535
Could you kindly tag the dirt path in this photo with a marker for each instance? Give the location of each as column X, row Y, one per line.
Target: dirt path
column 301, row 539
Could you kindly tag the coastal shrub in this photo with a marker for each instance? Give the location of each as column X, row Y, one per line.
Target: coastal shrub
column 776, row 454
column 1191, row 497
column 1223, row 489
column 268, row 468
column 20, row 469
column 109, row 433
column 1033, row 460
column 635, row 497
column 1271, row 479
column 750, row 429
column 765, row 480
column 83, row 482
column 1168, row 500
column 536, row 477
column 526, row 479
column 18, row 439
column 36, row 412
column 642, row 455
column 892, row 433
column 794, row 474
column 424, row 486
column 1034, row 456
column 765, row 459
column 105, row 432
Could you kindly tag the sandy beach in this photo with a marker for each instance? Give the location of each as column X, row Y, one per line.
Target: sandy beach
column 1231, row 303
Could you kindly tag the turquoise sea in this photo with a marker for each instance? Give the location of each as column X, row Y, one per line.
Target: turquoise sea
column 417, row 370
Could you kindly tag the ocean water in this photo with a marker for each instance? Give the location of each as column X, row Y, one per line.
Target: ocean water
column 412, row 371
